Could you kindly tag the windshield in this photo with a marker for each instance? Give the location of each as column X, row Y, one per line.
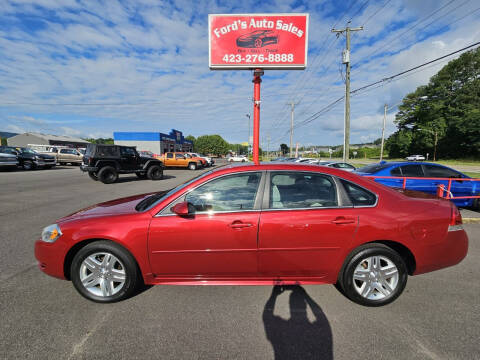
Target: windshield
column 152, row 200
column 28, row 151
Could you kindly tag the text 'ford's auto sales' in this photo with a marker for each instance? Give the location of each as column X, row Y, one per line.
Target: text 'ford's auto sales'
column 276, row 41
column 258, row 24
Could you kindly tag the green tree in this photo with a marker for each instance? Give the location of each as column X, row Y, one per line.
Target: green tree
column 3, row 141
column 284, row 149
column 211, row 144
column 192, row 139
column 443, row 115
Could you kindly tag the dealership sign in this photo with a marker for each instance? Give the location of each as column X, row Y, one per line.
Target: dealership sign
column 249, row 41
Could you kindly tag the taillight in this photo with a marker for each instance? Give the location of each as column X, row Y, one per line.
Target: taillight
column 455, row 220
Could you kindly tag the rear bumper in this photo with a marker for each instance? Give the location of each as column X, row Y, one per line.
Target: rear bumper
column 50, row 257
column 87, row 168
column 452, row 250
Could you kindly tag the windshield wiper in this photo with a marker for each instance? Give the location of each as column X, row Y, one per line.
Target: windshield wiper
column 145, row 203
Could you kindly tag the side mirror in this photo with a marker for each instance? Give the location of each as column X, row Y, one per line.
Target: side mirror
column 183, row 209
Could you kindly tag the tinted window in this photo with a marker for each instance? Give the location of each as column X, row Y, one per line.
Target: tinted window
column 440, row 171
column 373, row 168
column 107, row 151
column 294, row 190
column 358, row 195
column 169, row 156
column 412, row 170
column 126, row 151
column 396, row 172
column 228, row 193
column 179, row 156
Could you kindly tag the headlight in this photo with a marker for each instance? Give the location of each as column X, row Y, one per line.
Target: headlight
column 51, row 233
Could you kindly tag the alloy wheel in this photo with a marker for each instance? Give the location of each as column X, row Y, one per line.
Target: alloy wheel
column 102, row 274
column 375, row 277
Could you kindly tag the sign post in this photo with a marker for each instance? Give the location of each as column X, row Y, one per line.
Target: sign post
column 257, row 42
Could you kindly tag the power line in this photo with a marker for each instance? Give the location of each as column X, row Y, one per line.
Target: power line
column 376, row 12
column 380, row 83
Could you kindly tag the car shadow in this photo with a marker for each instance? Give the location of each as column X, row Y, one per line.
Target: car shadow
column 297, row 337
column 124, row 179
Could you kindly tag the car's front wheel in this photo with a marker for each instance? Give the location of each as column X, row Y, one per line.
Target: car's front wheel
column 93, row 175
column 105, row 272
column 374, row 275
column 28, row 165
column 192, row 166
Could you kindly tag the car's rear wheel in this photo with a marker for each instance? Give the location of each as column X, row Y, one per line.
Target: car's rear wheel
column 108, row 175
column 93, row 175
column 105, row 272
column 192, row 166
column 374, row 275
column 155, row 172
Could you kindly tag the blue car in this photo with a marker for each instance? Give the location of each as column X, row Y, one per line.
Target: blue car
column 428, row 170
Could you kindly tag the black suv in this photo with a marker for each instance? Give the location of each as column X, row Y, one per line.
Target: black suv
column 105, row 162
column 29, row 159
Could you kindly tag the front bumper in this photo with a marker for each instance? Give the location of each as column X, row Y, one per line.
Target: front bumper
column 50, row 257
column 45, row 162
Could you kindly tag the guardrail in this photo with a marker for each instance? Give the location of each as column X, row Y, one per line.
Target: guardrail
column 442, row 192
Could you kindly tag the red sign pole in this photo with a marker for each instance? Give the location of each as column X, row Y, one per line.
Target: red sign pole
column 257, row 74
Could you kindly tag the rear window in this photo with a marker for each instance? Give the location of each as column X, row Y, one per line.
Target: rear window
column 358, row 195
column 441, row 172
column 373, row 168
column 412, row 170
column 89, row 150
column 107, row 151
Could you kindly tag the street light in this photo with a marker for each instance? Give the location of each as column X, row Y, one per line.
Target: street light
column 435, row 133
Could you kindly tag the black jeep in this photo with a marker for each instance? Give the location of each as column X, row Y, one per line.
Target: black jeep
column 105, row 162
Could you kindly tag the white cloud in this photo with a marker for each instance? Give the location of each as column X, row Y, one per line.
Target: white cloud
column 155, row 53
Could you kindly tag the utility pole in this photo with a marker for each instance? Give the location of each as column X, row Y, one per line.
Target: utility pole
column 383, row 129
column 248, row 139
column 346, row 61
column 268, row 146
column 292, row 105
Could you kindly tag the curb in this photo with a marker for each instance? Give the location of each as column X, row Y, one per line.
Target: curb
column 471, row 220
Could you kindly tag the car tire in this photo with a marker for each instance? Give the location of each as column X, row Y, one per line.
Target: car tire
column 476, row 203
column 107, row 175
column 243, row 160
column 155, row 172
column 141, row 175
column 96, row 266
column 93, row 175
column 47, row 167
column 63, row 164
column 192, row 166
column 28, row 165
column 373, row 275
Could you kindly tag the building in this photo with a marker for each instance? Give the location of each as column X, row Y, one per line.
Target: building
column 22, row 140
column 156, row 142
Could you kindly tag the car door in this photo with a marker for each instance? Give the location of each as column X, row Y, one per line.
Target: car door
column 169, row 159
column 415, row 171
column 128, row 158
column 181, row 160
column 219, row 239
column 304, row 225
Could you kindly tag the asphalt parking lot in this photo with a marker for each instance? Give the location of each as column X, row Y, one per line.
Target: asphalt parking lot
column 437, row 317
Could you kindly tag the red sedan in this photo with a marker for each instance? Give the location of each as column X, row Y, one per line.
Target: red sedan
column 257, row 225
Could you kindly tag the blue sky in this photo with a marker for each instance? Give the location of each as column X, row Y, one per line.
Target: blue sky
column 88, row 68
